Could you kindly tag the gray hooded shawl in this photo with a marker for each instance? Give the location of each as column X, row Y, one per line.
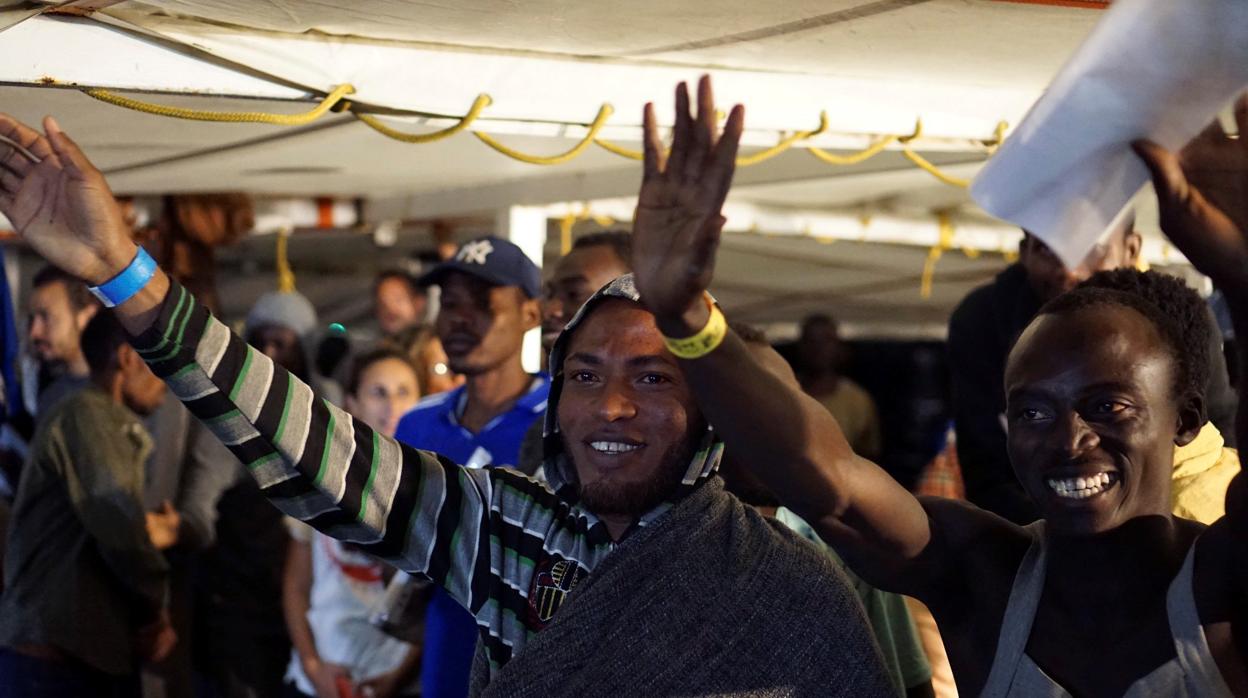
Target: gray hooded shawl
column 705, row 597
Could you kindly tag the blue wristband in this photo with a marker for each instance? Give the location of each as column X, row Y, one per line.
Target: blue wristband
column 130, row 281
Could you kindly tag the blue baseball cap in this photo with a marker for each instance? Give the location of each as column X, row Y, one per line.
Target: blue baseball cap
column 494, row 260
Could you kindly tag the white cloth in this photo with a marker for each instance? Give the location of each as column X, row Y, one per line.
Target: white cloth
column 345, row 585
column 1157, row 69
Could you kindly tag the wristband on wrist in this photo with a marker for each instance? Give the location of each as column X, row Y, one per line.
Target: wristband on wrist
column 130, row 281
column 706, row 340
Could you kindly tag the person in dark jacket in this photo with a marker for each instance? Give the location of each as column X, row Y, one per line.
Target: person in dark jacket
column 86, row 592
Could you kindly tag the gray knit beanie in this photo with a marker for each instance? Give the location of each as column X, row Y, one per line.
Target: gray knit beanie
column 289, row 309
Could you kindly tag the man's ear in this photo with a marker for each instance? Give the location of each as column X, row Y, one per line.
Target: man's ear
column 1132, row 245
column 1191, row 418
column 128, row 359
column 531, row 313
column 83, row 316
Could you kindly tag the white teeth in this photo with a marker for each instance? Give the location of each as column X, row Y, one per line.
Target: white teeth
column 612, row 447
column 1081, row 487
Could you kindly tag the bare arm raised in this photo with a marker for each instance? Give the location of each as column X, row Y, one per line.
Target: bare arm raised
column 1202, row 193
column 793, row 443
column 1203, row 197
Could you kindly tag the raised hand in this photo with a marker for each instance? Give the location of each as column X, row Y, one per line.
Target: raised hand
column 1203, row 196
column 61, row 206
column 677, row 225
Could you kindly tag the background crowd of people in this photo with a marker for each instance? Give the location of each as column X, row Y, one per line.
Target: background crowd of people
column 144, row 554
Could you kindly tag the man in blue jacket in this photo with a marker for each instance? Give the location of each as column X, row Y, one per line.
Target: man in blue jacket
column 490, row 295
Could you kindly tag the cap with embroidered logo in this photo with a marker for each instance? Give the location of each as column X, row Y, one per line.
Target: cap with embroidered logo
column 492, row 259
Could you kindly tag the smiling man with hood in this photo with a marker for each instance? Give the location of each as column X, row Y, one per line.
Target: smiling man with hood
column 637, row 574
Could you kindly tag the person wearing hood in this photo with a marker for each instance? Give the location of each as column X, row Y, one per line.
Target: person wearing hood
column 594, row 260
column 632, row 572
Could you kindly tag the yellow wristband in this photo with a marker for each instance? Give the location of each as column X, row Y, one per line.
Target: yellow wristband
column 705, row 341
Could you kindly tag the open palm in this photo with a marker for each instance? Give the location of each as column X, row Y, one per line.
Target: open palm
column 678, row 222
column 61, row 206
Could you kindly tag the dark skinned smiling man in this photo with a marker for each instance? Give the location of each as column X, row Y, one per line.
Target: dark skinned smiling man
column 633, row 573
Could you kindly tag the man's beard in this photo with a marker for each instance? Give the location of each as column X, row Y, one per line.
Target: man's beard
column 637, row 498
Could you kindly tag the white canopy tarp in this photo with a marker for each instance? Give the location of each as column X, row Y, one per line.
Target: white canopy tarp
column 874, row 66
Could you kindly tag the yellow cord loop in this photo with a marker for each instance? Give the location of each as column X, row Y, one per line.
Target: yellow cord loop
column 945, row 242
column 926, row 165
column 763, row 155
column 227, row 116
column 483, row 100
column 604, row 113
column 853, row 158
column 285, row 275
column 743, row 161
column 914, row 135
column 866, row 153
column 998, row 136
column 565, row 234
column 619, row 150
column 569, row 221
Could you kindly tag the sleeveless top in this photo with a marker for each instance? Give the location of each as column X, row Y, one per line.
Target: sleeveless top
column 1191, row 674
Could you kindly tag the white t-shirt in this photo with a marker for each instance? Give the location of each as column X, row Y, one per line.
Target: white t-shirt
column 345, row 586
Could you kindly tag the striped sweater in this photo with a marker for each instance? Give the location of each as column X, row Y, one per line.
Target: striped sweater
column 503, row 545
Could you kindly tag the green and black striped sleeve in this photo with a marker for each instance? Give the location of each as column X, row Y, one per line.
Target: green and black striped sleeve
column 316, row 463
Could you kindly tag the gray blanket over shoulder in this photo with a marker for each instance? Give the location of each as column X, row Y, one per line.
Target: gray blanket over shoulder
column 712, row 599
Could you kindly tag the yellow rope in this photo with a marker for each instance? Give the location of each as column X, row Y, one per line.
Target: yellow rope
column 619, row 150
column 233, row 117
column 866, row 153
column 763, row 155
column 336, row 98
column 924, row 164
column 604, row 113
column 853, row 158
column 832, row 158
column 914, row 135
column 565, row 234
column 569, row 221
column 928, row 166
column 483, row 101
column 998, row 136
column 744, row 160
column 285, row 275
column 945, row 242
